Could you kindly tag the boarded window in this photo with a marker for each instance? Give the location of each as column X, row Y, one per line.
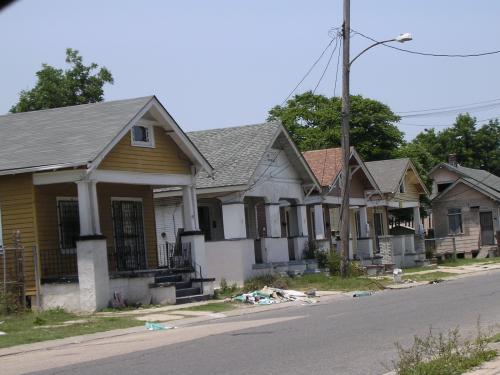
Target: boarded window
column 455, row 221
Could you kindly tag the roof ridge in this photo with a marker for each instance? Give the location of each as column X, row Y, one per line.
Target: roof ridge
column 76, row 105
column 234, row 127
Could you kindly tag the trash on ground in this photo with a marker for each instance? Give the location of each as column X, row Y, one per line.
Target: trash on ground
column 311, row 292
column 437, row 281
column 362, row 293
column 156, row 326
column 2, row 333
column 397, row 273
column 269, row 296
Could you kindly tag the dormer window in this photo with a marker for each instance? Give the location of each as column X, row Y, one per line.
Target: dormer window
column 142, row 136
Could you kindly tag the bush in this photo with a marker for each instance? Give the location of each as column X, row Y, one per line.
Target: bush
column 442, row 354
column 310, row 250
column 257, row 283
column 9, row 303
column 334, row 264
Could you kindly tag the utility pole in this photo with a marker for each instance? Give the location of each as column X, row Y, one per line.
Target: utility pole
column 346, row 180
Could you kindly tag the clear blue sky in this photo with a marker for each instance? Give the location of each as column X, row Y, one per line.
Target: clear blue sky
column 225, row 62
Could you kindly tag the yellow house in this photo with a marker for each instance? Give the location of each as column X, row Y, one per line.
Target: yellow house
column 76, row 199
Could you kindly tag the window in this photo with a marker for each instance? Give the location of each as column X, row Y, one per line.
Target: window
column 454, row 221
column 402, row 186
column 443, row 187
column 142, row 136
column 69, row 224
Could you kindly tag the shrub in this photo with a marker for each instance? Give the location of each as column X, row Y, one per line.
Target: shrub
column 334, row 261
column 310, row 250
column 9, row 303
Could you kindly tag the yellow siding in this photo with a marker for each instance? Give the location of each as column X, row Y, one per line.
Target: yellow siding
column 165, row 157
column 412, row 188
column 18, row 213
column 47, row 213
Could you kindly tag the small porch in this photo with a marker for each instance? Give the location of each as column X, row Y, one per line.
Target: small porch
column 97, row 241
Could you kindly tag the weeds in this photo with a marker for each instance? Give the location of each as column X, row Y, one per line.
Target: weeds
column 444, row 354
column 274, row 281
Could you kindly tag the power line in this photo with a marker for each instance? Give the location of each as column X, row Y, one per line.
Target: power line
column 309, row 71
column 451, row 107
column 337, row 70
column 327, row 65
column 428, row 53
column 445, row 125
column 479, row 108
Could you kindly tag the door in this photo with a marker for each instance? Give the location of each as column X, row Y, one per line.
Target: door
column 204, row 221
column 486, row 222
column 128, row 226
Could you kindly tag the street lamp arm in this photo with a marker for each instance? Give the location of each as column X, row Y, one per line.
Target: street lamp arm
column 369, row 47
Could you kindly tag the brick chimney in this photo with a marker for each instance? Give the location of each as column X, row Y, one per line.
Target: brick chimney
column 452, row 159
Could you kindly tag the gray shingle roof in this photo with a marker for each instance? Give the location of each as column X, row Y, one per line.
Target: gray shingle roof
column 484, row 180
column 388, row 173
column 233, row 152
column 71, row 135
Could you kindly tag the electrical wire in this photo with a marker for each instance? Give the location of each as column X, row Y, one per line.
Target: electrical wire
column 337, row 70
column 309, row 71
column 459, row 55
column 327, row 65
column 444, row 125
column 451, row 107
column 479, row 108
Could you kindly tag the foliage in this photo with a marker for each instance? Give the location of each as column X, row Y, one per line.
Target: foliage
column 475, row 147
column 334, row 263
column 270, row 280
column 225, row 290
column 322, row 258
column 442, row 354
column 80, row 84
column 314, row 122
column 9, row 303
column 320, row 281
column 465, row 262
column 310, row 250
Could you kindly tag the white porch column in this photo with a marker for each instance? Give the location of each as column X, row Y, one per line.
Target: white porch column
column 417, row 221
column 233, row 217
column 319, row 222
column 189, row 206
column 85, row 208
column 302, row 220
column 273, row 219
column 363, row 218
column 95, row 208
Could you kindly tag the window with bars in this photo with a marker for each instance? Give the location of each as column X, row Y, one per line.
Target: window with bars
column 455, row 221
column 69, row 224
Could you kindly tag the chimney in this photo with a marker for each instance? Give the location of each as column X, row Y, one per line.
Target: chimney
column 452, row 159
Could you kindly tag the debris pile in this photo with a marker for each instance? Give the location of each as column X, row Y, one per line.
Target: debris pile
column 268, row 296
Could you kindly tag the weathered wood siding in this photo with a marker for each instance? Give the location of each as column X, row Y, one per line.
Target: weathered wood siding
column 412, row 188
column 165, row 157
column 46, row 204
column 18, row 213
column 467, row 199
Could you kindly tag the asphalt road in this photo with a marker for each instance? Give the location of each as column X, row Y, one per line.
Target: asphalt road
column 342, row 336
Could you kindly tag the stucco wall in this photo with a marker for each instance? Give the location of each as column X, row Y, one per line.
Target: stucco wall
column 231, row 260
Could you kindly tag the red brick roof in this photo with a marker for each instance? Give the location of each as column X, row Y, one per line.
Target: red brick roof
column 326, row 164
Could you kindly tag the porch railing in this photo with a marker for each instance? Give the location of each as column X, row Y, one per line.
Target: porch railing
column 175, row 256
column 57, row 264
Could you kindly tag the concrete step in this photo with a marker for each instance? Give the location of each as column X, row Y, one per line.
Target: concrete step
column 189, row 299
column 168, row 278
column 187, row 292
column 183, row 284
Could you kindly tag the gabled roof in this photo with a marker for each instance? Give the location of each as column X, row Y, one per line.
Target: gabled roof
column 76, row 135
column 478, row 179
column 326, row 164
column 389, row 173
column 236, row 152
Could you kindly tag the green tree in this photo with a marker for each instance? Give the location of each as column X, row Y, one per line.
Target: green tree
column 475, row 147
column 314, row 123
column 80, row 84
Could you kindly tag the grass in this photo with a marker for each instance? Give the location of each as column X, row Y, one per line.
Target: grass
column 29, row 327
column 324, row 282
column 443, row 354
column 431, row 276
column 467, row 262
column 212, row 307
column 419, row 269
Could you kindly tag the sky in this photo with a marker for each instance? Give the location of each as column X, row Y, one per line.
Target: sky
column 225, row 63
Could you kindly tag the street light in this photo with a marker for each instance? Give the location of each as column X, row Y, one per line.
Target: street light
column 346, row 65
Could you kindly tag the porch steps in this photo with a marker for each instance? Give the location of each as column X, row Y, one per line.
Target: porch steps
column 184, row 290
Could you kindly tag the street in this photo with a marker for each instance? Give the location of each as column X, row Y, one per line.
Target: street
column 342, row 336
